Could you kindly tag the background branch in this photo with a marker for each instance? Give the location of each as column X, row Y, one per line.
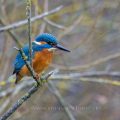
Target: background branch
column 19, row 103
column 61, row 100
column 23, row 22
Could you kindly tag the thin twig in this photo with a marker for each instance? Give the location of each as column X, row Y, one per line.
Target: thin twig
column 23, row 22
column 59, row 97
column 28, row 13
column 54, row 24
column 89, row 74
column 12, row 34
column 87, row 66
column 100, row 76
column 71, row 27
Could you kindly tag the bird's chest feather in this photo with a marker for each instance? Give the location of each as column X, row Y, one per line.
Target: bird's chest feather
column 41, row 60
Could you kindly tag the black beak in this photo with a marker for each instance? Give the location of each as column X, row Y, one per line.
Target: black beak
column 62, row 48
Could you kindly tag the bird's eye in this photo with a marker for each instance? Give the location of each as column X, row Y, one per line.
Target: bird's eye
column 52, row 44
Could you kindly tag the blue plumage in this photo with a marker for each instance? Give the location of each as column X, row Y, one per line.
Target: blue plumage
column 46, row 38
column 43, row 41
column 19, row 62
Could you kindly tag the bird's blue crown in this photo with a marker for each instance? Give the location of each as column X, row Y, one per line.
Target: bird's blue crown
column 46, row 38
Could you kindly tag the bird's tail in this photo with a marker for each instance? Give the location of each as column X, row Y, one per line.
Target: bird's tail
column 18, row 78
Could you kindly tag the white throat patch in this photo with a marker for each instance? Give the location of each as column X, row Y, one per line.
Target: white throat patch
column 51, row 49
column 38, row 43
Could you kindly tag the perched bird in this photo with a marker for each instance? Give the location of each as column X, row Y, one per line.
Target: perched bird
column 42, row 54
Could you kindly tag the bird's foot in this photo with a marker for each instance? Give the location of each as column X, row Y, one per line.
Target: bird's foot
column 40, row 80
column 37, row 79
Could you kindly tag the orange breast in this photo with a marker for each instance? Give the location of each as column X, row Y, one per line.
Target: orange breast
column 40, row 62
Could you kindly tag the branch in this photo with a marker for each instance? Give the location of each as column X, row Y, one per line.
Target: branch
column 25, row 97
column 12, row 34
column 23, row 22
column 11, row 93
column 59, row 97
column 87, row 66
column 98, row 77
column 54, row 24
column 19, row 102
column 28, row 13
column 89, row 74
column 101, row 76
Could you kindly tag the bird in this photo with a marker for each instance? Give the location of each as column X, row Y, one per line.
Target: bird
column 43, row 48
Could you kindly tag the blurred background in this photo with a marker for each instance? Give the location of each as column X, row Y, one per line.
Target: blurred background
column 86, row 85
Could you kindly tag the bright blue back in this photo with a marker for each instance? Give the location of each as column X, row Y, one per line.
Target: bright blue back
column 19, row 62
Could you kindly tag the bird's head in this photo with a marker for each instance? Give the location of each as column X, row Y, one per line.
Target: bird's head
column 50, row 40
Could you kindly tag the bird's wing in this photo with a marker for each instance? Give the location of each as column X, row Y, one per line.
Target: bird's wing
column 19, row 62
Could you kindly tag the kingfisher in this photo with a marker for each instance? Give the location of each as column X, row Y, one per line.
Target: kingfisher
column 42, row 54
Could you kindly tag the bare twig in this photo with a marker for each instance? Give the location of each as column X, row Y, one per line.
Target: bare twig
column 87, row 66
column 54, row 24
column 100, row 80
column 12, row 34
column 23, row 22
column 59, row 97
column 71, row 27
column 100, row 76
column 97, row 74
column 28, row 13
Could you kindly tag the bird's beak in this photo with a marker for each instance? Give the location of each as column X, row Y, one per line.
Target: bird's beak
column 62, row 48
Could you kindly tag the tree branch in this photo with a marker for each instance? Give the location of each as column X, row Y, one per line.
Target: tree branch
column 28, row 13
column 19, row 102
column 25, row 97
column 59, row 97
column 23, row 22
